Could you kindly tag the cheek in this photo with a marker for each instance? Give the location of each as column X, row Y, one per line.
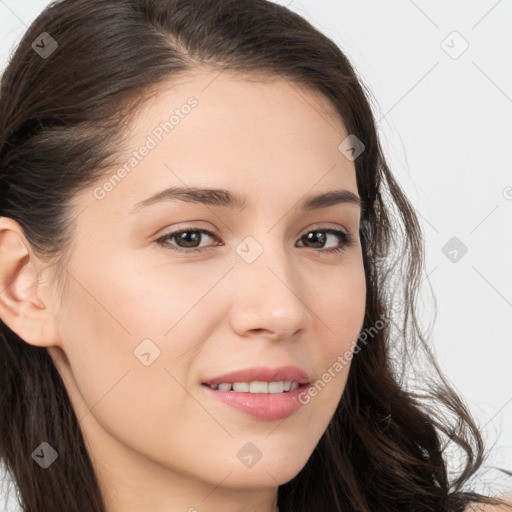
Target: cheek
column 340, row 315
column 108, row 324
column 156, row 300
column 341, row 308
column 110, row 386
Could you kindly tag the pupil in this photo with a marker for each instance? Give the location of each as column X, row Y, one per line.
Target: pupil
column 316, row 234
column 183, row 237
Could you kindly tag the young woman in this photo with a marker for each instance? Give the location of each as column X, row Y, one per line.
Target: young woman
column 208, row 272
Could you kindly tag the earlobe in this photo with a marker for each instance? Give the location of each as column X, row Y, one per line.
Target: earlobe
column 21, row 308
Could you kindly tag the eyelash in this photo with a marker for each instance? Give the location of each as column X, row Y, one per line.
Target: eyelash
column 346, row 239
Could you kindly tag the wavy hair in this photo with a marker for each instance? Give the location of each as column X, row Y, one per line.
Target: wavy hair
column 62, row 117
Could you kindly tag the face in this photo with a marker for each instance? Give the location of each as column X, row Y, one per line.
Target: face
column 150, row 315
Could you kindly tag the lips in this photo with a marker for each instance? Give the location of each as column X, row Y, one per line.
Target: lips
column 262, row 373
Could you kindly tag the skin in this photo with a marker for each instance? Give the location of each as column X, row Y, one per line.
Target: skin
column 157, row 441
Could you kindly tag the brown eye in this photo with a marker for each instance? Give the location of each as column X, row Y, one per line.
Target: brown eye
column 186, row 240
column 318, row 237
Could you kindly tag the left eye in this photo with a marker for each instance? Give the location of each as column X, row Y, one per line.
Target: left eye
column 190, row 237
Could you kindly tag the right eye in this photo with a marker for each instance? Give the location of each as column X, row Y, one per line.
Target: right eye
column 188, row 236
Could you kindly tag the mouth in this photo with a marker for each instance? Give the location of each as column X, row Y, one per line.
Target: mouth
column 260, row 400
column 264, row 394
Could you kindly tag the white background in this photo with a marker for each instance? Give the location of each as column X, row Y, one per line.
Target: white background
column 445, row 121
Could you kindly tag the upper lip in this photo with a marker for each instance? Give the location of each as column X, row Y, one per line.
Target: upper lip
column 264, row 374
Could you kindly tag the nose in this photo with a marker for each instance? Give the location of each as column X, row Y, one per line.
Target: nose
column 269, row 297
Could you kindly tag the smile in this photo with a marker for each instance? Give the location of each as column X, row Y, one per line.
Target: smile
column 257, row 386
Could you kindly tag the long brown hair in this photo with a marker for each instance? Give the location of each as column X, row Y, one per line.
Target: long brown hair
column 62, row 116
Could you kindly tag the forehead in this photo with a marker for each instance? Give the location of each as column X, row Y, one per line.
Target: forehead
column 206, row 109
column 225, row 130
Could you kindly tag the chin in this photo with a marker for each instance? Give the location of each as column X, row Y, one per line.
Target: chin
column 263, row 476
column 275, row 468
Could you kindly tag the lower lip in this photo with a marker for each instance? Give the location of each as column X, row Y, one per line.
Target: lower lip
column 263, row 406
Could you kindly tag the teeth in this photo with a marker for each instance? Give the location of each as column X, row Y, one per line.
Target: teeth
column 242, row 387
column 257, row 386
column 275, row 387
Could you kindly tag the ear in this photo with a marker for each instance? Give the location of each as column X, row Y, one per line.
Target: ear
column 23, row 306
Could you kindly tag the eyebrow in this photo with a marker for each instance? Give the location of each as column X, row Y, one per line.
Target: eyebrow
column 226, row 198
